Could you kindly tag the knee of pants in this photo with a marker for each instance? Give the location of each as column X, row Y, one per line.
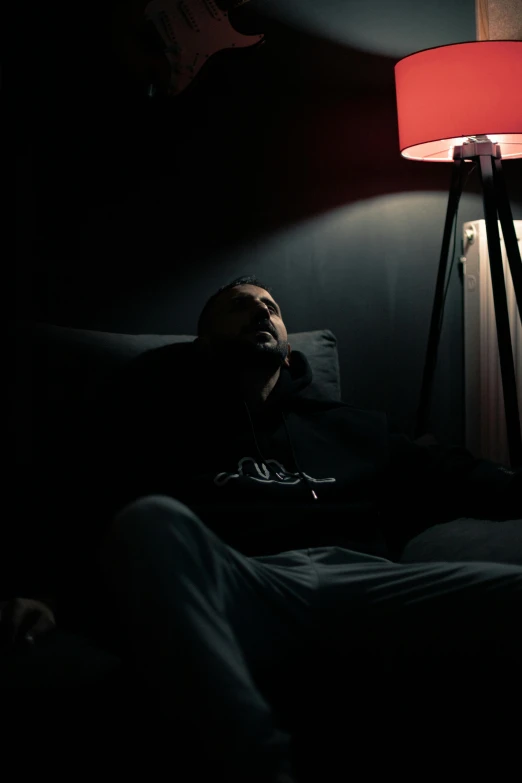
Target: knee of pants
column 149, row 516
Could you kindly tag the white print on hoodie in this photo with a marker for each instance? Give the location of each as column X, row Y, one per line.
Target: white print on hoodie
column 249, row 467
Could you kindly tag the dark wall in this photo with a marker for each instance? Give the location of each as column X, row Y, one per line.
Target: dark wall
column 281, row 161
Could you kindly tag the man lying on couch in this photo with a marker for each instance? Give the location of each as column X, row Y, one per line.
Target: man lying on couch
column 249, row 526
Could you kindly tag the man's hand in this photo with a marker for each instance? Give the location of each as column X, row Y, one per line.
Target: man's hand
column 23, row 619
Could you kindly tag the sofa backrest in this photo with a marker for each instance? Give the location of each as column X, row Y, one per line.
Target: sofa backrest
column 60, row 369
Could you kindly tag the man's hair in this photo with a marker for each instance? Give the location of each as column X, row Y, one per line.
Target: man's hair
column 205, row 318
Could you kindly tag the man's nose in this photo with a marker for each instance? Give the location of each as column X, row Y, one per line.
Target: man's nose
column 261, row 309
column 261, row 314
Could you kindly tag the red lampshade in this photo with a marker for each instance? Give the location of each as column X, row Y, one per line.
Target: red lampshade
column 448, row 94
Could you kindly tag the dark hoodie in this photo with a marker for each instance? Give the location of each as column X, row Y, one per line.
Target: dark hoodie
column 299, row 472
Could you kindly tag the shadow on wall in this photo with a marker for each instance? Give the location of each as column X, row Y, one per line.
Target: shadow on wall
column 367, row 272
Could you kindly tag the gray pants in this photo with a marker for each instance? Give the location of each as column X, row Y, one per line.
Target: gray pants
column 205, row 627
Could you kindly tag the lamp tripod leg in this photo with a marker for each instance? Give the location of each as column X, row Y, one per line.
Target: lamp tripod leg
column 430, row 362
column 507, row 367
column 508, row 231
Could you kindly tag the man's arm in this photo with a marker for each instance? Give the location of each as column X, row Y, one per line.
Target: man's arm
column 432, row 483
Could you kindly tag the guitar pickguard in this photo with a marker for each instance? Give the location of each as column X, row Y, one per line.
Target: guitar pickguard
column 192, row 31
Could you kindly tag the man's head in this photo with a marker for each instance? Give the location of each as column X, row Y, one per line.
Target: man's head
column 234, row 325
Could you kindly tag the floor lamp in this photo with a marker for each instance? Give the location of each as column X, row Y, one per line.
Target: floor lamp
column 457, row 103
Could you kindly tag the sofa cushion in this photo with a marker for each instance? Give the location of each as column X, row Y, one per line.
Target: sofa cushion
column 467, row 539
column 59, row 369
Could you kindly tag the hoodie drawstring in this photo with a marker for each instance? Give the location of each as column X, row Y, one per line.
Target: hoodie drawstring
column 263, row 460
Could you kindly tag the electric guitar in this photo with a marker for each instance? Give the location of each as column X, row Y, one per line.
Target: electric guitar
column 192, row 31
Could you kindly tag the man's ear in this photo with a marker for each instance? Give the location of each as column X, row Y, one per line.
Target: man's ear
column 287, row 360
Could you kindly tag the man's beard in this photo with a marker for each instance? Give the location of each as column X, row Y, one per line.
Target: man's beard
column 250, row 355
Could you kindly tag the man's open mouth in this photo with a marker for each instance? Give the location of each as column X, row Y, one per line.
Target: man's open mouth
column 260, row 331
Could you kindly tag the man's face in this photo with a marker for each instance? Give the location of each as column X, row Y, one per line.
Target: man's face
column 247, row 326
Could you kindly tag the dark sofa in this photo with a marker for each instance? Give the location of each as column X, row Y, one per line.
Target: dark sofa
column 59, row 374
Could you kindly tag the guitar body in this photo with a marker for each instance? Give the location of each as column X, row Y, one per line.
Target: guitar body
column 192, row 31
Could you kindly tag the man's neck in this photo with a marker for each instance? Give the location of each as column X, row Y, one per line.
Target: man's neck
column 256, row 389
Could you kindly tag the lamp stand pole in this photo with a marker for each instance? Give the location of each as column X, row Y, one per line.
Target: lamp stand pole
column 495, row 201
